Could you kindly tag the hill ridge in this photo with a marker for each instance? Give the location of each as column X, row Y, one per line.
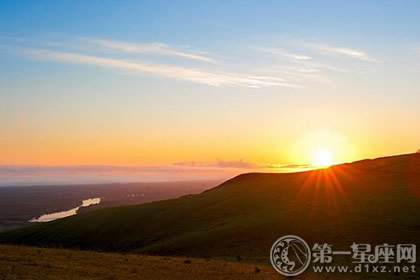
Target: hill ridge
column 363, row 201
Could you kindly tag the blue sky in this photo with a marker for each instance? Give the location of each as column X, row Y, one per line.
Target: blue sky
column 180, row 20
column 212, row 83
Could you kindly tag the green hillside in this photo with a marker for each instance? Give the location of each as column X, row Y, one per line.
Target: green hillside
column 367, row 201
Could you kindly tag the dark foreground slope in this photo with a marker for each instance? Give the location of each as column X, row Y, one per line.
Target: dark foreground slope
column 59, row 264
column 30, row 263
column 373, row 201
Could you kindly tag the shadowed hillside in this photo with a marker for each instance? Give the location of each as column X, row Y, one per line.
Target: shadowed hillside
column 373, row 201
column 28, row 263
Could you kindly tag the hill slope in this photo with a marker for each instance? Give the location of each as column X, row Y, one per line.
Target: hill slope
column 28, row 263
column 366, row 201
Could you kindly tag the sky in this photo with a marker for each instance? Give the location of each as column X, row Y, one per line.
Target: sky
column 94, row 91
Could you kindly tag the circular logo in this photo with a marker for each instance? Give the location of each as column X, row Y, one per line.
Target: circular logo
column 290, row 255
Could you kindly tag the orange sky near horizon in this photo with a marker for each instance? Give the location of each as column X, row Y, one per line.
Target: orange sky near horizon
column 261, row 142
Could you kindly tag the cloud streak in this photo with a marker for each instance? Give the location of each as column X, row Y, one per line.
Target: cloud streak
column 343, row 51
column 219, row 164
column 241, row 164
column 281, row 53
column 150, row 48
column 300, row 69
column 27, row 170
column 15, row 175
column 290, row 69
column 170, row 71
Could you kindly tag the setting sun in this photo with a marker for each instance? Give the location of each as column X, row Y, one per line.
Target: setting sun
column 322, row 157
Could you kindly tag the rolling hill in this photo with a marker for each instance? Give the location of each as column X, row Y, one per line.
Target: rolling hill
column 373, row 201
column 17, row 262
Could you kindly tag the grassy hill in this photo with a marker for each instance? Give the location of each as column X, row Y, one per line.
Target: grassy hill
column 373, row 201
column 31, row 263
column 60, row 264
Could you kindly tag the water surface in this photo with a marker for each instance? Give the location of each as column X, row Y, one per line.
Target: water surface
column 67, row 213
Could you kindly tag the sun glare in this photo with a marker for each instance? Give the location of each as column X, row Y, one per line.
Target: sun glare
column 322, row 158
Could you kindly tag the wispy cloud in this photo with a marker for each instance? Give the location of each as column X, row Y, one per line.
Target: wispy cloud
column 242, row 164
column 219, row 164
column 301, row 73
column 178, row 167
column 281, row 53
column 343, row 51
column 300, row 68
column 175, row 72
column 151, row 48
column 290, row 69
column 12, row 175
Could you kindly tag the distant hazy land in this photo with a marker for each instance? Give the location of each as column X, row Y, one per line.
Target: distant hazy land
column 21, row 204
